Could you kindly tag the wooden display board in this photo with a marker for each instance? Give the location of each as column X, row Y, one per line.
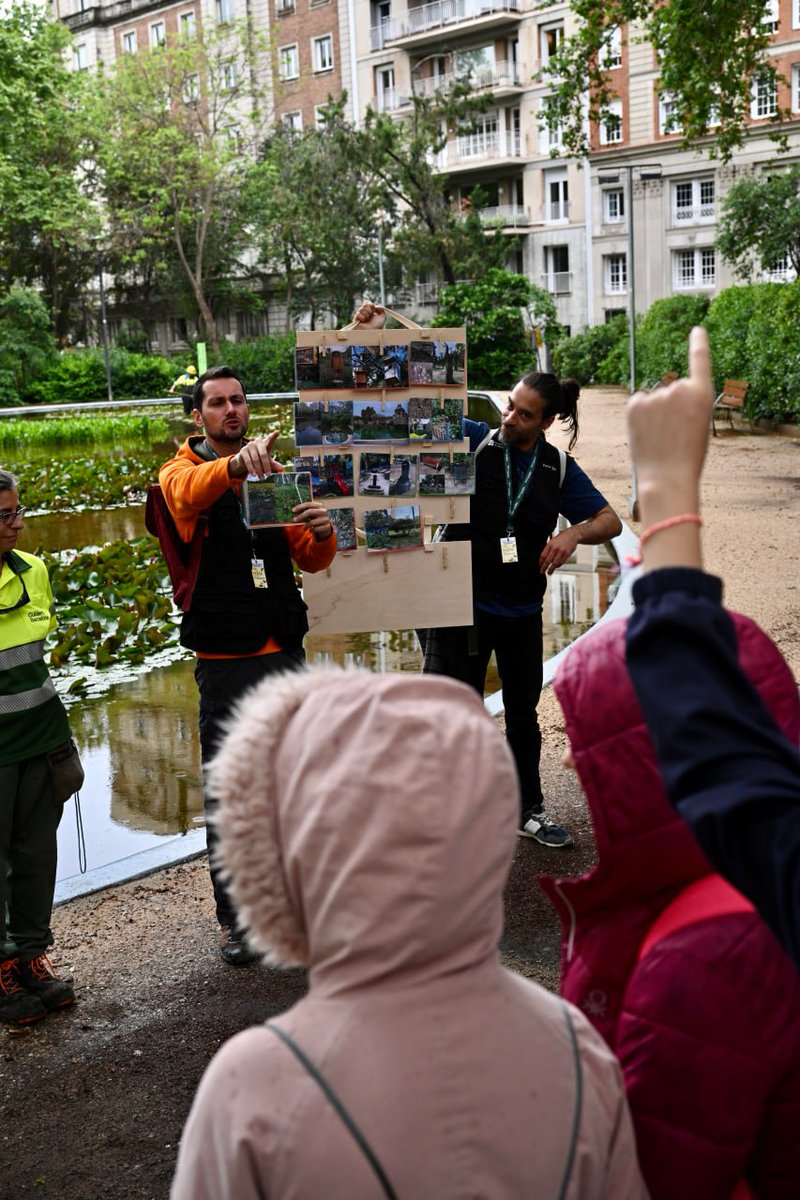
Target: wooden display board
column 366, row 590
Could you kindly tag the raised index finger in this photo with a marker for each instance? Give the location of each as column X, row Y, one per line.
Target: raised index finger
column 700, row 360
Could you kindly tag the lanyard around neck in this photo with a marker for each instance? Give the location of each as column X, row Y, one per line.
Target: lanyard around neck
column 512, row 500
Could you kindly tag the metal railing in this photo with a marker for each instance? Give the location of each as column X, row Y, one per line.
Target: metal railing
column 558, row 283
column 497, row 75
column 508, row 214
column 436, row 15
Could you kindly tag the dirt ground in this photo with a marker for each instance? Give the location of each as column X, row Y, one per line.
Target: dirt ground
column 92, row 1101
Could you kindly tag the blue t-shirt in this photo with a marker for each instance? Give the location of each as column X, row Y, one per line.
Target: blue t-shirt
column 579, row 501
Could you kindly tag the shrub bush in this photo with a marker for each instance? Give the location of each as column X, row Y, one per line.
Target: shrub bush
column 753, row 334
column 81, row 375
column 662, row 336
column 597, row 355
column 266, row 364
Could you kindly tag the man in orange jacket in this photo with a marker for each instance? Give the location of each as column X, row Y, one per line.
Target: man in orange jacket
column 247, row 618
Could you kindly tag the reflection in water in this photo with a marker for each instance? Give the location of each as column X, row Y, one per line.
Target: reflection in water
column 70, row 531
column 141, row 751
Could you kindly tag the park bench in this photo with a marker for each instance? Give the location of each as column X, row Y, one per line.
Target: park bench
column 730, row 401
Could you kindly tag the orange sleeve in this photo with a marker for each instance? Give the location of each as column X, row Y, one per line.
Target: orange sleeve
column 309, row 554
column 189, row 487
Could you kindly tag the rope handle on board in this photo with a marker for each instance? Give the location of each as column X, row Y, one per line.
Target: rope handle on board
column 389, row 313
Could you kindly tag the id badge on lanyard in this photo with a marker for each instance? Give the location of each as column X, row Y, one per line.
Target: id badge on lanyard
column 508, row 544
column 259, row 572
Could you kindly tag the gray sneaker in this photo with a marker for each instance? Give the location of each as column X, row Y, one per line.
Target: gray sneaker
column 539, row 828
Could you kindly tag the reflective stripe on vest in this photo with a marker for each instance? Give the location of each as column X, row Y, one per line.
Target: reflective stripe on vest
column 24, row 701
column 20, row 656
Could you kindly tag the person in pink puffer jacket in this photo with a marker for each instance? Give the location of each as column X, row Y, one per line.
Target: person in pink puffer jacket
column 706, row 1018
column 367, row 825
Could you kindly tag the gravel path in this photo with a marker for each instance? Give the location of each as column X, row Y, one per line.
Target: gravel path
column 92, row 1101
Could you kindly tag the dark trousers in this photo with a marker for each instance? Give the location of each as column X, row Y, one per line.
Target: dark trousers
column 221, row 683
column 29, row 818
column 517, row 644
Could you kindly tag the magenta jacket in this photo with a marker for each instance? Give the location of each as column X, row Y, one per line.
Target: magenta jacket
column 707, row 1025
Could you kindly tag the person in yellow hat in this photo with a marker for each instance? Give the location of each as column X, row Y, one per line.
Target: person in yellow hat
column 185, row 384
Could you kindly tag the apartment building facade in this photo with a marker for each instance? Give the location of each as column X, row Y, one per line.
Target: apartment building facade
column 640, row 210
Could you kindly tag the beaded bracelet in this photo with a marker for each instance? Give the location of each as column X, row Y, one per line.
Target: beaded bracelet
column 668, row 523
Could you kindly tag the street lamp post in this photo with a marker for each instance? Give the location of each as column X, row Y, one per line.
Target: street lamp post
column 104, row 329
column 651, row 172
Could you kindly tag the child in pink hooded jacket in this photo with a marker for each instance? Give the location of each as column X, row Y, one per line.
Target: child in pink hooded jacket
column 706, row 1022
column 367, row 824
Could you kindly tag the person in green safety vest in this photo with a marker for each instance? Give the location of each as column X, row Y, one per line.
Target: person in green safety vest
column 184, row 385
column 39, row 770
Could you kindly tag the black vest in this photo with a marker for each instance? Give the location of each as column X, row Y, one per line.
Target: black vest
column 521, row 583
column 229, row 614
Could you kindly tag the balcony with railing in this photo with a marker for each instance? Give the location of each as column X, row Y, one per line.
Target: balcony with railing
column 425, row 22
column 387, row 100
column 496, row 77
column 108, row 14
column 479, row 149
column 555, row 210
column 558, row 283
column 514, row 216
column 426, row 293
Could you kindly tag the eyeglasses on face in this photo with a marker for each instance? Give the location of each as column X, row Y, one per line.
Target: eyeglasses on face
column 13, row 514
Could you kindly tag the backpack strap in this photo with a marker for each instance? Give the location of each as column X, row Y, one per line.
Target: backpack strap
column 337, row 1105
column 562, row 460
column 577, row 1108
column 182, row 558
column 711, row 896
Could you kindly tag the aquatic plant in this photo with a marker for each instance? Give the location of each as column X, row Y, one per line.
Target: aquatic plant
column 70, row 484
column 114, row 603
column 16, row 432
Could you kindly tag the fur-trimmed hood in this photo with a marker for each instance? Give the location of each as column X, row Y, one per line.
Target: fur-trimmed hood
column 351, row 842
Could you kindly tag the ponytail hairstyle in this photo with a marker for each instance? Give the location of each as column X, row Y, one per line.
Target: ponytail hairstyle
column 560, row 399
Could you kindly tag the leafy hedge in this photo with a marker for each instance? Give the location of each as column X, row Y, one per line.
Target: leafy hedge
column 597, row 355
column 753, row 331
column 266, row 364
column 662, row 335
column 80, row 375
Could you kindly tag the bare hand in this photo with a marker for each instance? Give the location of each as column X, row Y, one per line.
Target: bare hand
column 255, row 457
column 372, row 316
column 558, row 550
column 668, row 430
column 315, row 517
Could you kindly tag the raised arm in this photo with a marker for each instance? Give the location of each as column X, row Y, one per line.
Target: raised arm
column 726, row 766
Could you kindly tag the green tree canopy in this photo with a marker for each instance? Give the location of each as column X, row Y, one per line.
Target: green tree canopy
column 429, row 231
column 708, row 56
column 313, row 208
column 760, row 223
column 174, row 126
column 499, row 336
column 27, row 346
column 46, row 215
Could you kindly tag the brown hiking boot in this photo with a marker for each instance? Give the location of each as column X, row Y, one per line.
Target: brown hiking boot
column 17, row 1006
column 39, row 979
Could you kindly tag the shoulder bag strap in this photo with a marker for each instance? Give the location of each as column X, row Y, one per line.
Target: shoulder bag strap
column 338, row 1107
column 577, row 1108
column 711, row 896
